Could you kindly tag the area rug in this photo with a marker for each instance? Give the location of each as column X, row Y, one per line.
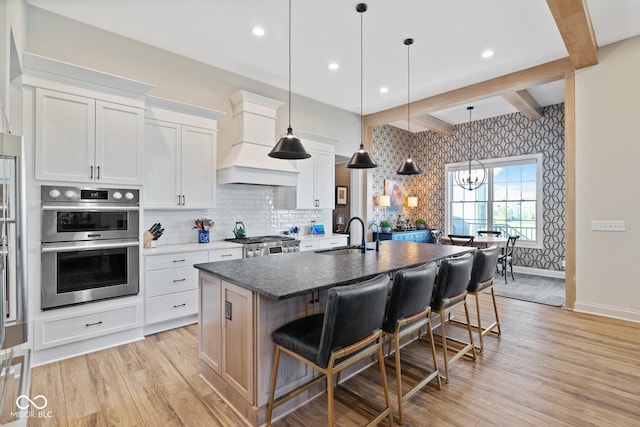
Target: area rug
column 539, row 289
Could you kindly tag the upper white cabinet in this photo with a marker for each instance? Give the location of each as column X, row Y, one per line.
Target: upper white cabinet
column 316, row 178
column 86, row 140
column 88, row 126
column 180, row 165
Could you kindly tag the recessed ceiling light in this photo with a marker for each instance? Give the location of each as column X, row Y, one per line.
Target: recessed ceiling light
column 333, row 66
column 384, row 89
column 258, row 31
column 487, row 53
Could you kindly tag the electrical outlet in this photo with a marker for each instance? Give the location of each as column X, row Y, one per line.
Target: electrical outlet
column 608, row 225
column 563, row 263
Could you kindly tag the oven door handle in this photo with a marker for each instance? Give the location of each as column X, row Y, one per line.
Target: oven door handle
column 94, row 208
column 89, row 246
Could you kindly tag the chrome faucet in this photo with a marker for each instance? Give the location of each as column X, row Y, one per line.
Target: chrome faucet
column 377, row 234
column 363, row 244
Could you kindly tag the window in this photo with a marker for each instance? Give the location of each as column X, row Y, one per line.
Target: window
column 511, row 201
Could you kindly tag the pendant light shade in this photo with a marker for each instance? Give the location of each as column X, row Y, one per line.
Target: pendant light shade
column 361, row 159
column 289, row 147
column 470, row 174
column 409, row 167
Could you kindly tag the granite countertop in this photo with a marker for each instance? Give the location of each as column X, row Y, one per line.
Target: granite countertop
column 288, row 275
column 191, row 247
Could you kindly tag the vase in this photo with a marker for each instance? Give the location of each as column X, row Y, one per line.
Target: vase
column 385, row 229
column 421, row 226
column 203, row 236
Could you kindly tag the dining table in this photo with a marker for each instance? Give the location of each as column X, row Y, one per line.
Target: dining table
column 481, row 241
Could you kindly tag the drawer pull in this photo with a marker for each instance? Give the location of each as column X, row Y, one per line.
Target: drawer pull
column 228, row 309
column 179, row 280
column 333, row 243
column 226, row 255
column 93, row 324
column 180, row 305
column 179, row 260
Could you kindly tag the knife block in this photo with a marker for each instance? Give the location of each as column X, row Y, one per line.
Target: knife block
column 147, row 239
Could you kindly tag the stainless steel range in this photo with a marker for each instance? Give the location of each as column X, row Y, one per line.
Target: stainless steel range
column 267, row 245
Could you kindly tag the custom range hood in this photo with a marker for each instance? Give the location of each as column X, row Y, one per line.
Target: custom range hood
column 254, row 135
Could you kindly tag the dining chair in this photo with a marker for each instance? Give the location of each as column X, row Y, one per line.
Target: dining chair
column 437, row 235
column 461, row 239
column 451, row 291
column 408, row 311
column 489, row 233
column 348, row 331
column 507, row 257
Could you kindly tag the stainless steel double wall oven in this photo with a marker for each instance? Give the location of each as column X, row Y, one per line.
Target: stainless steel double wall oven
column 90, row 246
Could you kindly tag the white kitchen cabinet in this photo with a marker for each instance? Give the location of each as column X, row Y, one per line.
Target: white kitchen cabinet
column 316, row 179
column 319, row 242
column 81, row 139
column 180, row 165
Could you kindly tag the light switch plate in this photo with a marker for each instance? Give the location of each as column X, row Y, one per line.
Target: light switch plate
column 608, row 225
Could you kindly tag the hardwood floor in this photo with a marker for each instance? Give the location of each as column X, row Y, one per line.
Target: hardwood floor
column 551, row 367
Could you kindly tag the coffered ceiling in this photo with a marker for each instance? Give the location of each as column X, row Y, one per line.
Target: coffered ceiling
column 450, row 37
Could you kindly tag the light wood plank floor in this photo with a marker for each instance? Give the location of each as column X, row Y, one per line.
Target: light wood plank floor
column 552, row 367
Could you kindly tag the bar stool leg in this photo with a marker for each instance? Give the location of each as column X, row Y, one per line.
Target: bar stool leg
column 495, row 309
column 398, row 377
column 274, row 377
column 476, row 294
column 330, row 397
column 444, row 347
column 473, row 347
column 385, row 385
column 433, row 351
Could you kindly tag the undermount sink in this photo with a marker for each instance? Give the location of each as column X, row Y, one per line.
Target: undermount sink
column 343, row 250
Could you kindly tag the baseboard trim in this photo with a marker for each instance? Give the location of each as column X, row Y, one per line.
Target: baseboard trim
column 607, row 311
column 538, row 272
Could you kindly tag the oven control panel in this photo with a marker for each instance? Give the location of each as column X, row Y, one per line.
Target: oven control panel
column 89, row 195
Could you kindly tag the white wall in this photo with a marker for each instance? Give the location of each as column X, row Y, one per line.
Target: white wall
column 608, row 183
column 180, row 78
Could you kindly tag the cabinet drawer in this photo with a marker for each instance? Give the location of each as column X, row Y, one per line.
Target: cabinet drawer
column 308, row 246
column 157, row 262
column 332, row 243
column 225, row 254
column 58, row 331
column 162, row 282
column 166, row 307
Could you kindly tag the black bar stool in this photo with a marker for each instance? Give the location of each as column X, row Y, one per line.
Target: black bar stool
column 451, row 291
column 348, row 331
column 408, row 311
column 482, row 274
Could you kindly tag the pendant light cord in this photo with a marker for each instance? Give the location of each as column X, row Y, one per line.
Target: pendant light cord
column 289, row 63
column 361, row 83
column 408, row 93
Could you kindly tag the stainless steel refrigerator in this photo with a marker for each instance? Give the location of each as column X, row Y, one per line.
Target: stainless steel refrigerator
column 16, row 404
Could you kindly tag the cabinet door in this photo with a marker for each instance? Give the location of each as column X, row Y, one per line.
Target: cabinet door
column 162, row 164
column 119, row 144
column 198, row 167
column 211, row 317
column 238, row 340
column 305, row 192
column 324, row 180
column 64, row 136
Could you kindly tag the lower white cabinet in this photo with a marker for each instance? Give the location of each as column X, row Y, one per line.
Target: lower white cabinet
column 171, row 287
column 318, row 243
column 82, row 325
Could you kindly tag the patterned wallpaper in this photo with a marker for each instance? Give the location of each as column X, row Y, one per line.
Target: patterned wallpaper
column 503, row 136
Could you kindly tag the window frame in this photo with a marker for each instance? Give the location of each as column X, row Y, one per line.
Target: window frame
column 497, row 162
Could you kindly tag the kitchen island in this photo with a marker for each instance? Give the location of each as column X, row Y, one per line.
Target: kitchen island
column 243, row 301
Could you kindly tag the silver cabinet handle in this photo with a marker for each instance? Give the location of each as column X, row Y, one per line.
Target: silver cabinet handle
column 179, row 280
column 178, row 200
column 90, row 172
column 184, row 202
column 98, row 176
column 180, row 305
column 226, row 255
column 179, row 260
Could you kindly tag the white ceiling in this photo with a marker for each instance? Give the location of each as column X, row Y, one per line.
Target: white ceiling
column 449, row 39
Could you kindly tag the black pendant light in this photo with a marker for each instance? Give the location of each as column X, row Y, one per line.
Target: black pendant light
column 289, row 147
column 409, row 167
column 361, row 159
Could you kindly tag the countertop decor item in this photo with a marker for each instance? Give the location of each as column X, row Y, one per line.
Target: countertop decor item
column 203, row 225
column 361, row 159
column 289, row 147
column 421, row 224
column 409, row 167
column 385, row 226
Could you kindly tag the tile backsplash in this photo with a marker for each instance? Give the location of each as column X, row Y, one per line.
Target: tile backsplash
column 254, row 205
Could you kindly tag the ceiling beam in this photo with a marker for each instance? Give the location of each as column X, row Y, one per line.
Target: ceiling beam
column 435, row 124
column 525, row 103
column 574, row 23
column 519, row 80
